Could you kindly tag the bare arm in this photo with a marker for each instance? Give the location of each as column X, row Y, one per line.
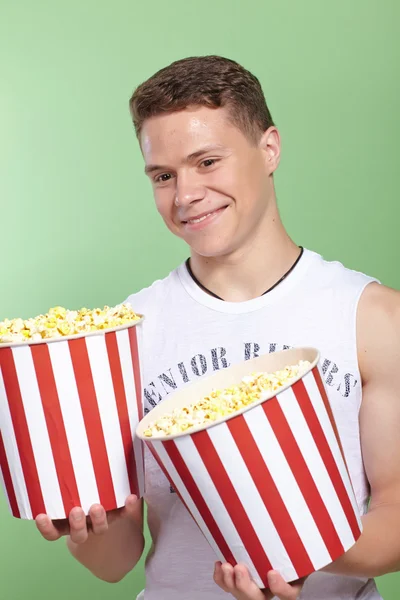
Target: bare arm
column 378, row 549
column 112, row 545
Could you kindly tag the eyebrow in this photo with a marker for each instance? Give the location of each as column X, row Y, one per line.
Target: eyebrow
column 190, row 158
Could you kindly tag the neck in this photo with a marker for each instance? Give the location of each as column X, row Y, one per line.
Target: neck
column 249, row 271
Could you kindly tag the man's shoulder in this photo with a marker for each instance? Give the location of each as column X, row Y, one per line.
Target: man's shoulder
column 378, row 329
column 152, row 296
column 380, row 307
column 338, row 274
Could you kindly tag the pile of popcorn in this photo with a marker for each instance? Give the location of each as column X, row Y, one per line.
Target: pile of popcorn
column 221, row 403
column 60, row 322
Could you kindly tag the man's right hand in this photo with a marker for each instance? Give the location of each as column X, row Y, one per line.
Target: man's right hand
column 78, row 527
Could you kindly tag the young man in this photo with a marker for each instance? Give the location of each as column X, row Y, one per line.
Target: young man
column 210, row 149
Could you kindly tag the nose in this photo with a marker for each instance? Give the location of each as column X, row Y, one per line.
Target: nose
column 188, row 190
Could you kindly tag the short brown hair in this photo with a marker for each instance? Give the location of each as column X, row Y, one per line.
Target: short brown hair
column 211, row 81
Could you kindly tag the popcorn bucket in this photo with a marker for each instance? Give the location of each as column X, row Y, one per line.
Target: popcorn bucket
column 268, row 486
column 68, row 412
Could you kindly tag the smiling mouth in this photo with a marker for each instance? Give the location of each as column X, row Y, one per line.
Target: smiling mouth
column 196, row 220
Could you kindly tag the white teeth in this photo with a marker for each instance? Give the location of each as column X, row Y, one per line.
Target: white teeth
column 200, row 219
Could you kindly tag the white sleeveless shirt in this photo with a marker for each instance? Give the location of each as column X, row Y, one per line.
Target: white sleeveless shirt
column 189, row 334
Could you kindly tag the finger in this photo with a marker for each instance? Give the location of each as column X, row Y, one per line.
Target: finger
column 228, row 577
column 47, row 528
column 131, row 505
column 78, row 527
column 219, row 576
column 245, row 584
column 280, row 588
column 128, row 510
column 98, row 519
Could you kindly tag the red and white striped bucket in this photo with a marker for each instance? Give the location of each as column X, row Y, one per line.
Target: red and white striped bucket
column 69, row 408
column 268, row 486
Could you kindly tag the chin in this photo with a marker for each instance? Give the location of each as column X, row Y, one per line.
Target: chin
column 210, row 250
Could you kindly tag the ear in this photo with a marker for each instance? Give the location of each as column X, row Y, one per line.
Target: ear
column 270, row 144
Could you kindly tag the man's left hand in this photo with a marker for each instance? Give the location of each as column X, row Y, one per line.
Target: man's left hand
column 237, row 581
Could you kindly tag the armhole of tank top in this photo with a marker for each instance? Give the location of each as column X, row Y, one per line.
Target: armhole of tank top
column 354, row 324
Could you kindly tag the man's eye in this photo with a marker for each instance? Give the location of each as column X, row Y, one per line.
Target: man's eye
column 208, row 162
column 163, row 177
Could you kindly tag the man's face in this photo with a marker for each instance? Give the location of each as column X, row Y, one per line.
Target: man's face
column 211, row 184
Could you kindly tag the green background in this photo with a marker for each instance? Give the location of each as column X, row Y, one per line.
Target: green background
column 77, row 222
